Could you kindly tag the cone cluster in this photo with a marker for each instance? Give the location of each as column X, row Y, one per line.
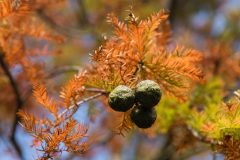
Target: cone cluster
column 143, row 98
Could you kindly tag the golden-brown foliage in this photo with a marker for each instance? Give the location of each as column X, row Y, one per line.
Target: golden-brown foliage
column 42, row 98
column 50, row 133
column 24, row 40
column 230, row 148
column 73, row 89
column 125, row 124
column 17, row 26
column 22, row 35
column 138, row 50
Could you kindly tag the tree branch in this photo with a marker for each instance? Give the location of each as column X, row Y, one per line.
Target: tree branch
column 77, row 105
column 19, row 102
column 202, row 138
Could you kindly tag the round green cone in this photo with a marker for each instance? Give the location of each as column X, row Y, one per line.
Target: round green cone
column 142, row 117
column 148, row 93
column 121, row 98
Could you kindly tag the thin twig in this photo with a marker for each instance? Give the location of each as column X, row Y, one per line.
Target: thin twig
column 237, row 94
column 19, row 102
column 202, row 138
column 77, row 105
column 95, row 90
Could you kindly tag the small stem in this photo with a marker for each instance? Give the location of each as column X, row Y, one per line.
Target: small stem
column 96, row 90
column 237, row 94
column 202, row 138
column 77, row 105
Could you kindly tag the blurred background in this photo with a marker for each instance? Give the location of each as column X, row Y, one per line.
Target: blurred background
column 211, row 26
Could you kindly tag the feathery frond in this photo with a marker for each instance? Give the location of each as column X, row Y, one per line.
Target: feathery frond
column 135, row 53
column 40, row 93
column 73, row 89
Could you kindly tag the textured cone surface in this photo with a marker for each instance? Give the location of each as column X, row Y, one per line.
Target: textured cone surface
column 121, row 98
column 148, row 93
column 142, row 117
